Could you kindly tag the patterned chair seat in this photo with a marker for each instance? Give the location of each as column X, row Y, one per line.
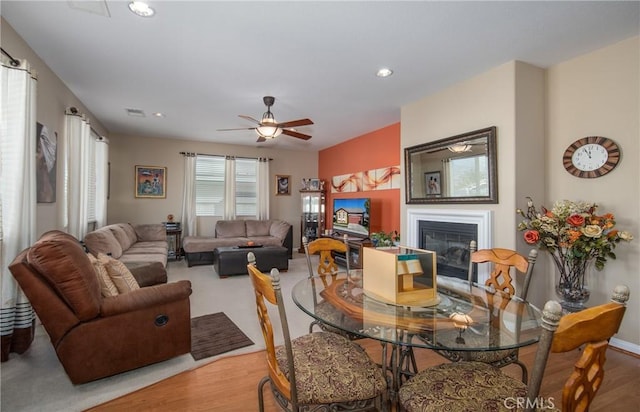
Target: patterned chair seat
column 331, row 315
column 330, row 368
column 463, row 387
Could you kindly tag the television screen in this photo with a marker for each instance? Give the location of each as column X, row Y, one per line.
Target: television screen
column 352, row 216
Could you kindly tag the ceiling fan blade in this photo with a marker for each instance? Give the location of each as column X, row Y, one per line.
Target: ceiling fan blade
column 241, row 128
column 249, row 118
column 296, row 134
column 296, row 123
column 261, row 139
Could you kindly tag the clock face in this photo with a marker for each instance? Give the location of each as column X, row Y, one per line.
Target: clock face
column 591, row 157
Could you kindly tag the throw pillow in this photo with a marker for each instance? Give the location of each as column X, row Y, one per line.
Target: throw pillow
column 119, row 274
column 107, row 287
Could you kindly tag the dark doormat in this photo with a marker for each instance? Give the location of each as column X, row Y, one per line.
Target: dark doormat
column 215, row 334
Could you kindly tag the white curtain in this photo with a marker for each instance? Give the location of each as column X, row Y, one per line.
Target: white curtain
column 102, row 180
column 230, row 188
column 262, row 189
column 189, row 227
column 17, row 198
column 77, row 148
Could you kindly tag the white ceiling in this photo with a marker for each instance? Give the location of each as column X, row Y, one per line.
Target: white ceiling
column 202, row 63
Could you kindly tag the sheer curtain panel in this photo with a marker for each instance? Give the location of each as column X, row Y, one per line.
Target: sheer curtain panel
column 17, row 198
column 189, row 226
column 78, row 150
column 102, row 180
column 229, row 188
column 262, row 189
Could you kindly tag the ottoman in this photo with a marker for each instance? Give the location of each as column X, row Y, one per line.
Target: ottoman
column 232, row 260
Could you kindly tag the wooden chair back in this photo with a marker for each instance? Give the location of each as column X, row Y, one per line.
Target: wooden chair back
column 267, row 290
column 503, row 260
column 592, row 327
column 324, row 246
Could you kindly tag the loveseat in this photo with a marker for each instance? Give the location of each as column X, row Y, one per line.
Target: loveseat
column 141, row 247
column 199, row 249
column 96, row 336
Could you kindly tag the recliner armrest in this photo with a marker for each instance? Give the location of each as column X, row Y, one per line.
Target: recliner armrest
column 145, row 297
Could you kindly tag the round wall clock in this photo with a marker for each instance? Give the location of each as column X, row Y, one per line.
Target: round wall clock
column 590, row 157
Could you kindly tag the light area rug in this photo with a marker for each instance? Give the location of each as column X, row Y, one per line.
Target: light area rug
column 36, row 381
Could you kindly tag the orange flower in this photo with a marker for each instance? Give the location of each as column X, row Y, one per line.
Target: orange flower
column 613, row 233
column 573, row 235
column 575, row 220
column 531, row 236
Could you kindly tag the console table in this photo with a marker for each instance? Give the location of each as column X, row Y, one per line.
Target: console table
column 355, row 245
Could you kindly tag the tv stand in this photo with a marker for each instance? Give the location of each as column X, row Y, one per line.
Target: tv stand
column 355, row 244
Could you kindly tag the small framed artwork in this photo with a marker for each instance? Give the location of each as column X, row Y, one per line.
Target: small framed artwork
column 151, row 182
column 314, row 184
column 283, row 185
column 433, row 183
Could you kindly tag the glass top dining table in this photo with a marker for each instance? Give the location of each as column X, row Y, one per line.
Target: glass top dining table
column 467, row 317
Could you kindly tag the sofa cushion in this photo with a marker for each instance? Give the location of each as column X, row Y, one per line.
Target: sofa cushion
column 258, row 227
column 151, row 232
column 121, row 236
column 103, row 241
column 279, row 229
column 60, row 259
column 119, row 274
column 131, row 233
column 107, row 287
column 230, row 228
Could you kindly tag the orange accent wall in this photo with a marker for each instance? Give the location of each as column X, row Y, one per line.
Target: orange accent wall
column 380, row 148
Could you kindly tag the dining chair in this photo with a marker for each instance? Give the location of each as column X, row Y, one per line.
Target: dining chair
column 327, row 271
column 317, row 369
column 504, row 262
column 475, row 386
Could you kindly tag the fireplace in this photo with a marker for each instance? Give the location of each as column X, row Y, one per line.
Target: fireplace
column 450, row 241
column 448, row 232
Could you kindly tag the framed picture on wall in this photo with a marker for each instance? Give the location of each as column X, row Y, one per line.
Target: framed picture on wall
column 151, row 182
column 433, row 183
column 283, row 185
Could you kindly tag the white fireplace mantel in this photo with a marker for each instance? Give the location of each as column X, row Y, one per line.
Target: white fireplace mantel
column 481, row 218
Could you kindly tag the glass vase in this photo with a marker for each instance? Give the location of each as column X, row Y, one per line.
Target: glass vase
column 571, row 287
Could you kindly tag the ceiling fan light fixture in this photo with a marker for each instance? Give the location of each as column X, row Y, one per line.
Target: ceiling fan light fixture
column 459, row 148
column 384, row 72
column 268, row 132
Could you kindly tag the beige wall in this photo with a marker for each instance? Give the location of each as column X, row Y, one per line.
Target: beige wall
column 125, row 152
column 597, row 94
column 538, row 113
column 53, row 98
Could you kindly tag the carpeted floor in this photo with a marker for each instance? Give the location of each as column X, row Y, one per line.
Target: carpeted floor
column 215, row 334
column 36, row 381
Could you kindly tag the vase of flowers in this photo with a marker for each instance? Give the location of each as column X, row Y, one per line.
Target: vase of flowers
column 576, row 238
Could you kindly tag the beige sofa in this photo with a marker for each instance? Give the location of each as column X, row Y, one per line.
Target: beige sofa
column 141, row 247
column 199, row 249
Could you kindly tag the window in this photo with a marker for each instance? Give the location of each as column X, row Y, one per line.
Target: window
column 468, row 176
column 210, row 180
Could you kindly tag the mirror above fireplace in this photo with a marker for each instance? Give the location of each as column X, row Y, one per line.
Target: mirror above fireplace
column 458, row 169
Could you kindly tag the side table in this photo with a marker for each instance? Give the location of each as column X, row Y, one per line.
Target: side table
column 174, row 237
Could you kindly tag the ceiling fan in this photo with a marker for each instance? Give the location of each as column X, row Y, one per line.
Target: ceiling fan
column 268, row 128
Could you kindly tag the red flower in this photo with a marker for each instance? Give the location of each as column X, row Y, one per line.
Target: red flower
column 575, row 220
column 531, row 236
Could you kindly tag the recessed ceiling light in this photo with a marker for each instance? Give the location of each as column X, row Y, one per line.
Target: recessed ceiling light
column 141, row 8
column 384, row 72
column 158, row 114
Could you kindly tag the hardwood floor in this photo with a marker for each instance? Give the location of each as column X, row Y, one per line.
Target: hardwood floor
column 230, row 384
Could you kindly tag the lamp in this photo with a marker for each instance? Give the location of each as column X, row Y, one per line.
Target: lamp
column 268, row 126
column 459, row 147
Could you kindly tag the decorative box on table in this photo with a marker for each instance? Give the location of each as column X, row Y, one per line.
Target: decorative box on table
column 400, row 275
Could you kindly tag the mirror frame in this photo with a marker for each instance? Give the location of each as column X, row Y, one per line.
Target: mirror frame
column 443, row 144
